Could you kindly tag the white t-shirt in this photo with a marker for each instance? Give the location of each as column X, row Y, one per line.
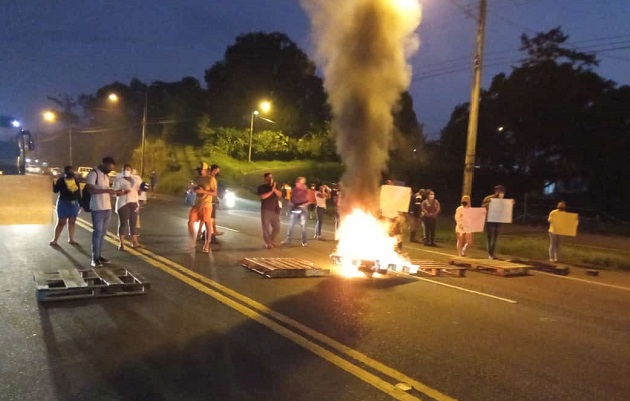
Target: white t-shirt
column 131, row 197
column 99, row 201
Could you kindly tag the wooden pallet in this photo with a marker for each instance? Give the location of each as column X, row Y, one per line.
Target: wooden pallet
column 101, row 282
column 497, row 267
column 436, row 269
column 545, row 267
column 283, row 267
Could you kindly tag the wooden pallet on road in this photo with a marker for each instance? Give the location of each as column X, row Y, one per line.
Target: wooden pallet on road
column 436, row 269
column 283, row 267
column 545, row 267
column 71, row 283
column 492, row 266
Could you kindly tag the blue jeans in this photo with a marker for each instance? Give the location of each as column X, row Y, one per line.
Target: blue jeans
column 100, row 219
column 301, row 214
column 321, row 212
column 492, row 232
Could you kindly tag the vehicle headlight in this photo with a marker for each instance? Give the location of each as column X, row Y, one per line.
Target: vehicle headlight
column 230, row 199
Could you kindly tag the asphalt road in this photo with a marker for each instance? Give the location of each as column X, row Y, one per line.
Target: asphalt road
column 211, row 330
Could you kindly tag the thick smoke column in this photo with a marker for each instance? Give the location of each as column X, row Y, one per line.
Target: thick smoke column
column 362, row 47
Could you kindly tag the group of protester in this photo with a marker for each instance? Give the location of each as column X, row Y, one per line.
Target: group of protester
column 298, row 202
column 99, row 188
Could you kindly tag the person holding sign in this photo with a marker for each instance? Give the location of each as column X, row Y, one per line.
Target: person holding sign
column 560, row 223
column 492, row 227
column 464, row 238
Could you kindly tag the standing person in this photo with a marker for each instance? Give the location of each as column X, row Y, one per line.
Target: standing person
column 311, row 201
column 97, row 185
column 334, row 197
column 492, row 229
column 269, row 210
column 554, row 239
column 67, row 186
column 464, row 238
column 430, row 210
column 321, row 196
column 153, row 179
column 205, row 187
column 299, row 200
column 415, row 214
column 286, row 199
column 127, row 205
column 214, row 172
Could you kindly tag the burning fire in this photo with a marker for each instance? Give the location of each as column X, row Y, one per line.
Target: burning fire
column 363, row 237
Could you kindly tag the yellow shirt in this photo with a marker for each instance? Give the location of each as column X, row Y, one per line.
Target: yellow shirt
column 71, row 184
column 207, row 183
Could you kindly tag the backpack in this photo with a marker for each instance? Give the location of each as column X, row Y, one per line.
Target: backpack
column 86, row 196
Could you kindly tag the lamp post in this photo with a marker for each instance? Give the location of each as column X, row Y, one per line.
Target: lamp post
column 265, row 106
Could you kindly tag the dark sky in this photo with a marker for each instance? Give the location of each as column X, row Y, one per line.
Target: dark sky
column 76, row 46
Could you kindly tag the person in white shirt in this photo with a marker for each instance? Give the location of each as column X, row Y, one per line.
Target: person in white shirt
column 97, row 185
column 320, row 200
column 464, row 238
column 127, row 206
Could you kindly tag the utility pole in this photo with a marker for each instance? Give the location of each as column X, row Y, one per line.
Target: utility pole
column 473, row 118
column 144, row 129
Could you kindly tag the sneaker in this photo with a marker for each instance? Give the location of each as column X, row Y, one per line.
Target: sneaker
column 304, row 244
column 490, row 257
column 268, row 246
column 286, row 242
column 96, row 263
column 103, row 260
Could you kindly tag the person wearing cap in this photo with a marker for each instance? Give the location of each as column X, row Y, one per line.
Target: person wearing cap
column 492, row 229
column 464, row 238
column 97, row 185
column 205, row 188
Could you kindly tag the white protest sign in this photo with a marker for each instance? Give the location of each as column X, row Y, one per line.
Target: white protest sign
column 565, row 223
column 394, row 199
column 500, row 210
column 474, row 219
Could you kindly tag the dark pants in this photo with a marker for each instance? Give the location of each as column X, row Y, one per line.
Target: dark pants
column 415, row 224
column 492, row 233
column 270, row 225
column 321, row 212
column 429, row 225
column 128, row 219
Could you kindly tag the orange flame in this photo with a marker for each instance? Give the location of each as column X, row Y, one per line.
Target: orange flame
column 363, row 237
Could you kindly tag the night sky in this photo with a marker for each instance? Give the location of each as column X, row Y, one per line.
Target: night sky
column 76, row 46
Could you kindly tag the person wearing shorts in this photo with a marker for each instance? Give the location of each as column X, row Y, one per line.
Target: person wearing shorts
column 205, row 188
column 68, row 206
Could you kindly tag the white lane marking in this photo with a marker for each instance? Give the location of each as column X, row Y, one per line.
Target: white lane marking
column 228, row 229
column 484, row 294
column 581, row 280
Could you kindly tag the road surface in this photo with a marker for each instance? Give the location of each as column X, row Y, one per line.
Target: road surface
column 212, row 330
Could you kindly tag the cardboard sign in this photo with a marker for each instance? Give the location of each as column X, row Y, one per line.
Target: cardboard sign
column 394, row 199
column 565, row 223
column 474, row 219
column 500, row 210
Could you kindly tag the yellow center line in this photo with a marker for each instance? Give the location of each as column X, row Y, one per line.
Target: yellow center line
column 195, row 279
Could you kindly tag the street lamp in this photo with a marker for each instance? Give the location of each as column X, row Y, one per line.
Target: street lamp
column 113, row 98
column 265, row 107
column 51, row 117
